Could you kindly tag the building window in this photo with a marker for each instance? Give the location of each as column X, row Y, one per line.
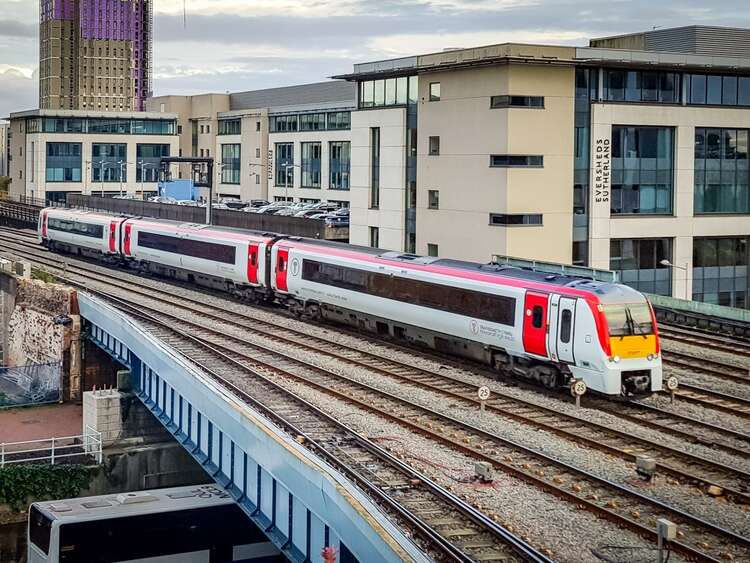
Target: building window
column 432, row 249
column 510, row 219
column 108, row 161
column 716, row 90
column 283, row 123
column 641, row 86
column 720, row 271
column 434, row 91
column 642, row 170
column 231, row 163
column 208, row 128
column 722, row 171
column 257, row 125
column 388, row 92
column 63, row 162
column 339, row 154
column 498, row 102
column 339, row 120
column 375, row 237
column 434, row 146
column 312, row 122
column 311, row 157
column 374, row 167
column 230, row 127
column 284, row 160
column 149, row 161
column 179, row 129
column 639, row 263
column 203, row 129
column 516, row 161
column 433, row 199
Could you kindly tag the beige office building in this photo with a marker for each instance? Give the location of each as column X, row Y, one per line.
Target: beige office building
column 4, row 154
column 630, row 154
column 59, row 152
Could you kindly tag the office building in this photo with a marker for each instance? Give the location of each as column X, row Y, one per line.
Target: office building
column 58, row 152
column 630, row 154
column 274, row 144
column 95, row 54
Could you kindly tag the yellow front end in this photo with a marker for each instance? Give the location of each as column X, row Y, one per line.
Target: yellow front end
column 629, row 347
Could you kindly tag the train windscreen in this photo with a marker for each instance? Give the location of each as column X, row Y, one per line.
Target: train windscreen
column 629, row 319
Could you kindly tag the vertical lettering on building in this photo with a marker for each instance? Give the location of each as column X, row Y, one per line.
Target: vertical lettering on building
column 602, row 170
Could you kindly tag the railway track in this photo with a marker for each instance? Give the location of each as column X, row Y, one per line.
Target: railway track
column 443, row 525
column 714, row 368
column 708, row 398
column 686, row 467
column 728, row 344
column 629, row 509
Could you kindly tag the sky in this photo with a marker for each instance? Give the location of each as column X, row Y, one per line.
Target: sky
column 235, row 45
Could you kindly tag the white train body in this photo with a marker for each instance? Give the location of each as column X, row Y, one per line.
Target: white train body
column 551, row 328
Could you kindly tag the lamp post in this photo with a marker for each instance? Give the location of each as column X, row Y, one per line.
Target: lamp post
column 88, row 164
column 286, row 179
column 669, row 264
column 143, row 164
column 121, row 163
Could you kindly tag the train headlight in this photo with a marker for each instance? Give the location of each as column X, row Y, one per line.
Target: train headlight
column 616, row 359
column 672, row 383
column 651, row 357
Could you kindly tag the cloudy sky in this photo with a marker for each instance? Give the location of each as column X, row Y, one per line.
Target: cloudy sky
column 248, row 44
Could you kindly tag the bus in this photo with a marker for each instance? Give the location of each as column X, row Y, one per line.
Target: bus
column 198, row 524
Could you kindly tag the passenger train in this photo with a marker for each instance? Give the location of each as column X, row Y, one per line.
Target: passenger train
column 555, row 329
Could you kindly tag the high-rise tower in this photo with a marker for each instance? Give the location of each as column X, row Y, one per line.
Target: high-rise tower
column 95, row 54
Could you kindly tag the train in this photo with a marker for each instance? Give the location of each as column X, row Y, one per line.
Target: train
column 554, row 329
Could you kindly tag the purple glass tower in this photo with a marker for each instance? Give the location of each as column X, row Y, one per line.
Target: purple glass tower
column 104, row 61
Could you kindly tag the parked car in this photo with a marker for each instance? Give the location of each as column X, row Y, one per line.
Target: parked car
column 234, row 203
column 186, row 202
column 162, row 199
column 336, row 221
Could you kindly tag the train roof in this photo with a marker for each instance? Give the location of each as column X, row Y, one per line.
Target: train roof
column 128, row 504
column 605, row 291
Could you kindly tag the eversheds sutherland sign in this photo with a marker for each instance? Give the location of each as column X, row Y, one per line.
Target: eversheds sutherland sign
column 602, row 170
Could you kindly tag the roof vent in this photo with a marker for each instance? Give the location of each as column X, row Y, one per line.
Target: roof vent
column 135, row 498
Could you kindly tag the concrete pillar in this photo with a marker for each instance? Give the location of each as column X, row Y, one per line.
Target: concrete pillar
column 74, row 354
column 102, row 413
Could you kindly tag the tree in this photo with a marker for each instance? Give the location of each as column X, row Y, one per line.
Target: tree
column 4, row 183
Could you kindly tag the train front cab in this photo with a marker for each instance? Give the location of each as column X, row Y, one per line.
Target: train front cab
column 628, row 361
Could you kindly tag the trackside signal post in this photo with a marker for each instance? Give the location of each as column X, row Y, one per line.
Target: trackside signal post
column 202, row 170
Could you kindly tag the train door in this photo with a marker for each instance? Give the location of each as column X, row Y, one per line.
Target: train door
column 282, row 265
column 43, row 221
column 252, row 263
column 566, row 315
column 535, row 323
column 113, row 237
column 127, row 239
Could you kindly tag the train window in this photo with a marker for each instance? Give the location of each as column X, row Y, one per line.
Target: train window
column 537, row 316
column 195, row 248
column 565, row 325
column 282, row 264
column 253, row 258
column 83, row 229
column 40, row 529
column 485, row 306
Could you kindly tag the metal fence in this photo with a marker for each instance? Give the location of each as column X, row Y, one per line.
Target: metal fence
column 295, row 226
column 30, row 385
column 81, row 449
column 22, row 199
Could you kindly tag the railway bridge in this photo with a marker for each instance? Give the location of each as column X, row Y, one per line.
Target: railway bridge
column 302, row 503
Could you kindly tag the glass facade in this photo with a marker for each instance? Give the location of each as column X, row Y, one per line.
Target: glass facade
column 339, row 165
column 63, row 163
column 148, row 161
column 717, row 90
column 516, row 161
column 638, row 262
column 231, row 164
column 720, row 271
column 388, row 92
column 311, row 160
column 284, row 171
column 230, row 127
column 722, row 171
column 102, row 125
column 105, row 162
column 374, row 168
column 332, row 121
column 585, row 91
column 499, row 102
column 642, row 170
column 641, row 86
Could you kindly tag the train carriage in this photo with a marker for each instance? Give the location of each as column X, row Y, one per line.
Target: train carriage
column 80, row 232
column 550, row 328
column 227, row 259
